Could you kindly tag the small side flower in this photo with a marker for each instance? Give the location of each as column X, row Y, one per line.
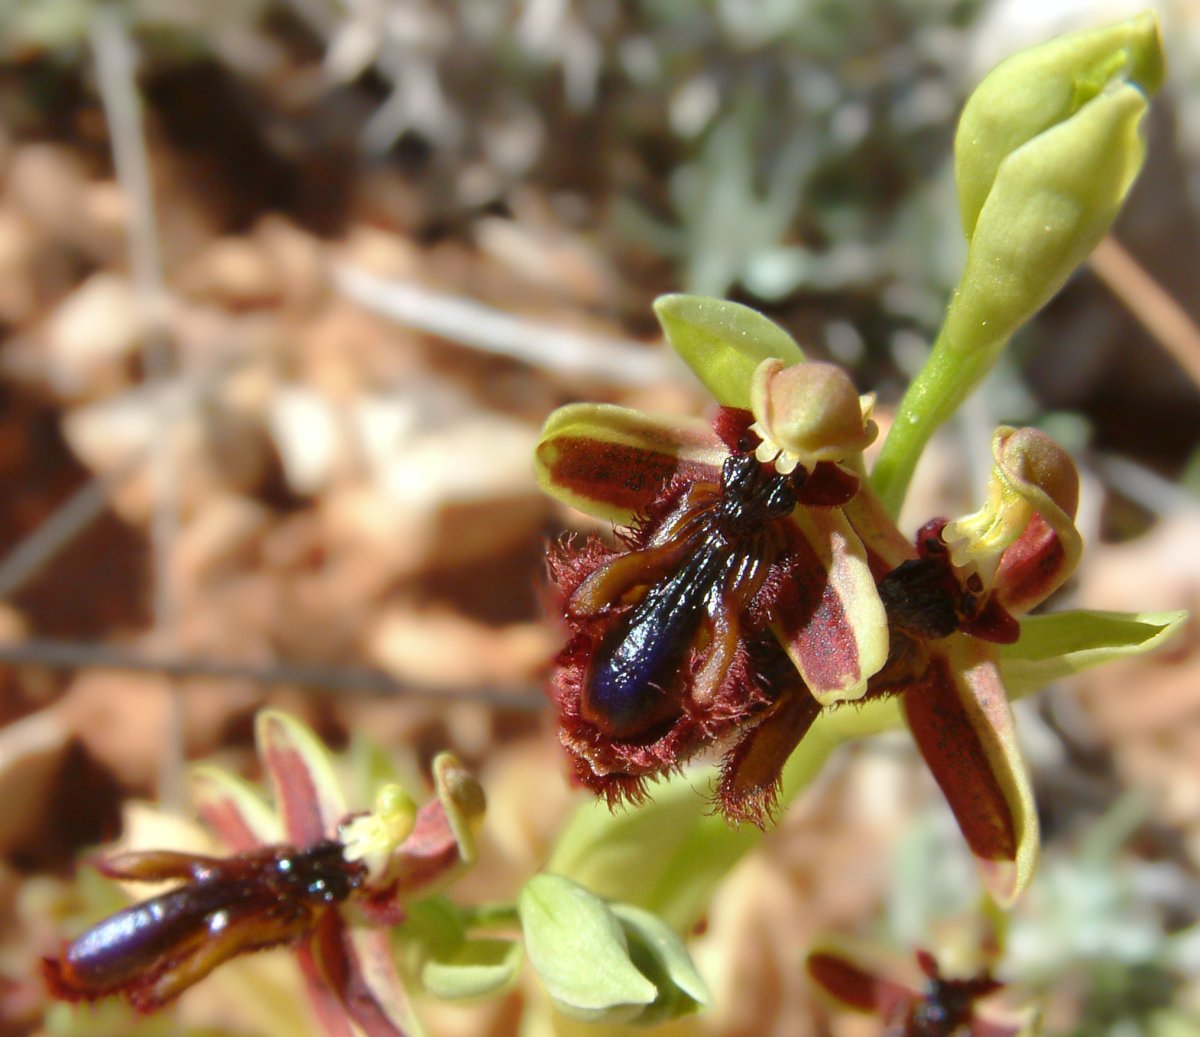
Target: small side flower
column 951, row 605
column 307, row 874
column 945, row 1006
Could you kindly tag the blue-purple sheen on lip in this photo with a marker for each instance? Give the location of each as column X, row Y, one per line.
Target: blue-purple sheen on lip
column 123, row 944
column 627, row 691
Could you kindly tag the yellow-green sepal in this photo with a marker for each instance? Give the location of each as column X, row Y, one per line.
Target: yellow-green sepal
column 1059, row 644
column 613, row 462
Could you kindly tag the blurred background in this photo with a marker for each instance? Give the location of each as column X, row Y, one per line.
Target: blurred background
column 287, row 288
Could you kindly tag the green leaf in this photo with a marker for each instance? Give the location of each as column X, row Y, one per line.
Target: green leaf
column 478, row 968
column 662, row 958
column 579, row 950
column 723, row 342
column 1059, row 644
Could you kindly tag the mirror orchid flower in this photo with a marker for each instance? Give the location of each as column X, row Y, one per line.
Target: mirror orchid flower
column 309, row 874
column 738, row 597
column 759, row 584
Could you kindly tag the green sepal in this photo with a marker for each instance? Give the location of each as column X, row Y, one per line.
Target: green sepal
column 663, row 959
column 614, row 462
column 305, row 788
column 479, row 968
column 578, row 947
column 463, row 801
column 1059, row 644
column 723, row 342
column 233, row 808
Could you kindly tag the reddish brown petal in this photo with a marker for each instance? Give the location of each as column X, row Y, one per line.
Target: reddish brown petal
column 327, row 1006
column 429, row 851
column 307, row 795
column 828, row 485
column 752, row 769
column 993, row 623
column 856, row 988
column 359, row 967
column 1033, row 567
column 960, row 719
column 827, row 613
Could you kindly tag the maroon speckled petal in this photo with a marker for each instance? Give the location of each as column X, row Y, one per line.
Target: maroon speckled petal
column 856, row 988
column 962, row 724
column 327, row 1006
column 1033, row 567
column 358, row 965
column 307, row 795
column 826, row 609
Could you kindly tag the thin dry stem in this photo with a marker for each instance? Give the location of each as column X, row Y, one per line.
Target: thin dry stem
column 1149, row 302
column 115, row 65
column 612, row 361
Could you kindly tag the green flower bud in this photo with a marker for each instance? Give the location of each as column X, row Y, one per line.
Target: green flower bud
column 1051, row 202
column 1047, row 148
column 1044, row 86
column 609, row 963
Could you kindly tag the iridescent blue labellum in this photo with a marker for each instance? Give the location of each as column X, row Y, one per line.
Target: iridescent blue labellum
column 712, row 549
column 697, row 628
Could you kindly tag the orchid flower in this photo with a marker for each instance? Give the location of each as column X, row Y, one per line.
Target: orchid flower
column 740, row 598
column 310, row 874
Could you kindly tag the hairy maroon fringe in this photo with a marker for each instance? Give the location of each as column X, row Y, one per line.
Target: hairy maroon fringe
column 619, row 770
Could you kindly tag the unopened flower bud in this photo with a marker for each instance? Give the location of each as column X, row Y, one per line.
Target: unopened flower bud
column 1040, row 88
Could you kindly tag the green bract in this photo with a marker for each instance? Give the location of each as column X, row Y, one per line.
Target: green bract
column 600, row 962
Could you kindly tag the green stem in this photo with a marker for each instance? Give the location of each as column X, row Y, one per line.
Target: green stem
column 491, row 916
column 948, row 377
